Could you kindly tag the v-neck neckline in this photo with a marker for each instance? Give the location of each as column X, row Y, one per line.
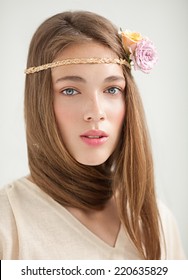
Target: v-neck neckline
column 78, row 225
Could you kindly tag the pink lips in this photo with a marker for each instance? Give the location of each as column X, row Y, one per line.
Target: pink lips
column 94, row 137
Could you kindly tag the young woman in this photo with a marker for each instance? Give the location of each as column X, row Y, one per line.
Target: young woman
column 90, row 193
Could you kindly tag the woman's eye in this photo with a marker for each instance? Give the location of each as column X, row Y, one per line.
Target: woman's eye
column 113, row 90
column 69, row 91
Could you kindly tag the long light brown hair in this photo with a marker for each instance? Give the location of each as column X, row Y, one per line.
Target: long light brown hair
column 129, row 170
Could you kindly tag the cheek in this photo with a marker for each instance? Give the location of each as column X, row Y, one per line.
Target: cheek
column 64, row 114
column 121, row 114
column 118, row 114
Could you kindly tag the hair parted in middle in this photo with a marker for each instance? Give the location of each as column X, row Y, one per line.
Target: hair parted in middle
column 128, row 173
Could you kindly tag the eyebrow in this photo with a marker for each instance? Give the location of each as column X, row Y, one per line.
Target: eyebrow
column 114, row 78
column 80, row 79
column 71, row 78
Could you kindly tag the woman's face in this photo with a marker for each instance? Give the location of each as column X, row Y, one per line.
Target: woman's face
column 89, row 103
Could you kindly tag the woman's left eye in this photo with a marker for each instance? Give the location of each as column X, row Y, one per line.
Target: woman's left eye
column 113, row 90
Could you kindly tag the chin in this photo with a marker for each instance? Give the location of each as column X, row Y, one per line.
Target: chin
column 92, row 162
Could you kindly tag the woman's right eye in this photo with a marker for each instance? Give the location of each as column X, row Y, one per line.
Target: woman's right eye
column 69, row 91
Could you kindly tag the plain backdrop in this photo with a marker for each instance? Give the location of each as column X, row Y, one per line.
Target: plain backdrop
column 164, row 91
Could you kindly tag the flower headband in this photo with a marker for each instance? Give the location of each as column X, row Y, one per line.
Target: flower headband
column 141, row 51
column 141, row 54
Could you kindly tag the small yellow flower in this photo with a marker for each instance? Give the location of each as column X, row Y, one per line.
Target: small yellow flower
column 130, row 39
column 133, row 36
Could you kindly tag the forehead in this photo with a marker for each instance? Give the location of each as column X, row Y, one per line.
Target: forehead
column 87, row 49
column 88, row 73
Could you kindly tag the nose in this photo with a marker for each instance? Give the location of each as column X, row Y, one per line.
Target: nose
column 94, row 110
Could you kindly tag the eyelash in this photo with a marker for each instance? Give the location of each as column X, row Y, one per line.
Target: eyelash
column 74, row 91
column 114, row 93
column 65, row 91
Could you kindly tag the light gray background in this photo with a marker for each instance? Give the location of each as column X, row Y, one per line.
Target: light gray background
column 164, row 91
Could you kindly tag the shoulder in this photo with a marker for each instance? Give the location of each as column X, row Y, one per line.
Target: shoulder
column 8, row 230
column 10, row 191
column 11, row 198
column 4, row 201
column 16, row 200
column 165, row 213
column 18, row 190
column 171, row 241
column 9, row 194
column 167, row 218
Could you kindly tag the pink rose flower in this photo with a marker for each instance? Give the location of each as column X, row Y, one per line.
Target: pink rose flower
column 144, row 56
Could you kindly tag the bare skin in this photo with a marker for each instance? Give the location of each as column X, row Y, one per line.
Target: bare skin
column 103, row 223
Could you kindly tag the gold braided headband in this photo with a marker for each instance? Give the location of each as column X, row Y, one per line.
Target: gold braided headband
column 69, row 61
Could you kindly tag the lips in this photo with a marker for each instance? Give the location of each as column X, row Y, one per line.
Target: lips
column 94, row 137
